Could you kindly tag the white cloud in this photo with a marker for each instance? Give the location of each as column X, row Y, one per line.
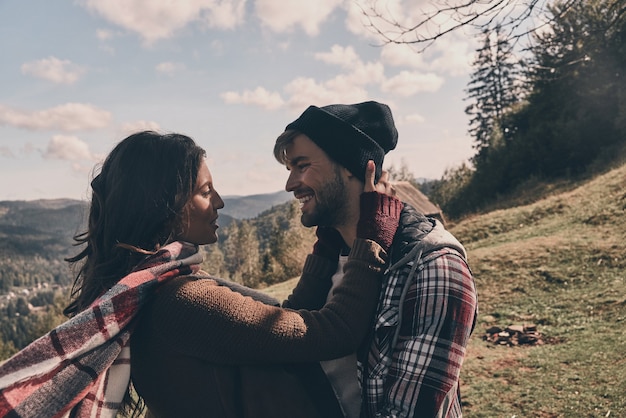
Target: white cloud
column 409, row 83
column 138, row 126
column 358, row 23
column 408, row 20
column 451, row 55
column 169, row 68
column 258, row 97
column 373, row 72
column 414, row 118
column 283, row 16
column 104, row 34
column 82, row 168
column 306, row 91
column 358, row 72
column 351, row 86
column 67, row 117
column 348, row 87
column 161, row 19
column 68, row 148
column 226, row 14
column 399, row 55
column 338, row 55
column 54, row 69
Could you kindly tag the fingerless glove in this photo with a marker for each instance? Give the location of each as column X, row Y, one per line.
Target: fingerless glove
column 379, row 218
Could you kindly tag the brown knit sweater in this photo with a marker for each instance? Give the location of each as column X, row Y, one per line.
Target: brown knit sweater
column 202, row 350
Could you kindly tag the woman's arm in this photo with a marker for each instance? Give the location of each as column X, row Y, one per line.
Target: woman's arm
column 201, row 319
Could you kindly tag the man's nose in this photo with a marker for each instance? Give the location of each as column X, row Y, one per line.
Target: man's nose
column 292, row 181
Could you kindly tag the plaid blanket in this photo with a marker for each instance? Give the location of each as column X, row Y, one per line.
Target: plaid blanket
column 82, row 367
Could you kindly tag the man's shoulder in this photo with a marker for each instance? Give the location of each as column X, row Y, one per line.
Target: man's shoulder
column 442, row 252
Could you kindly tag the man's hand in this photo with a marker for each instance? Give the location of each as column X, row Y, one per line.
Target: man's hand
column 379, row 212
column 383, row 186
column 370, row 174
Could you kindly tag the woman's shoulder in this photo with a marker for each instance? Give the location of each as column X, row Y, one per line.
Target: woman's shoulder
column 176, row 284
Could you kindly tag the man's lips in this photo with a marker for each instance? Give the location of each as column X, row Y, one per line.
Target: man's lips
column 303, row 199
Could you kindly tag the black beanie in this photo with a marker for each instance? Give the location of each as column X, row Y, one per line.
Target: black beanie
column 351, row 134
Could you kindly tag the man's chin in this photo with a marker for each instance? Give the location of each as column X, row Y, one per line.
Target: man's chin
column 315, row 219
column 308, row 220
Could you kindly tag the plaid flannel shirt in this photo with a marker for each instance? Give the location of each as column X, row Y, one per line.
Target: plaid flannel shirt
column 82, row 367
column 425, row 317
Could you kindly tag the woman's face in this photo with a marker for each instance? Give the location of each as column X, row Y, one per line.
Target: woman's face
column 200, row 213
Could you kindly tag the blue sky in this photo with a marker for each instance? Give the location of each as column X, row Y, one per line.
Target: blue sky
column 78, row 76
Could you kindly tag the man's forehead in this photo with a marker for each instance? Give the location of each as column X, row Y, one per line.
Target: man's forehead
column 291, row 162
column 302, row 147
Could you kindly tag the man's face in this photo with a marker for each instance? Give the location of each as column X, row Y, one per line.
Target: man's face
column 317, row 182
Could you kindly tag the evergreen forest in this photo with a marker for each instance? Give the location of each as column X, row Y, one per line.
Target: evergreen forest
column 551, row 112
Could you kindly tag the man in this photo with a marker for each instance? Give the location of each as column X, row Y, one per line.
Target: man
column 409, row 365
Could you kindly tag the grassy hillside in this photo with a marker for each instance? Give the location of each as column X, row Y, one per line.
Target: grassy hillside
column 559, row 264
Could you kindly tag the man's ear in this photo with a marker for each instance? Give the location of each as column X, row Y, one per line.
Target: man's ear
column 353, row 182
column 347, row 173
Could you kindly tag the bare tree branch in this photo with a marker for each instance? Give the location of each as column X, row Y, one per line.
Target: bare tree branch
column 517, row 18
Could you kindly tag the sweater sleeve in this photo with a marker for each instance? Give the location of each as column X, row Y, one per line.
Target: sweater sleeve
column 314, row 284
column 244, row 290
column 198, row 318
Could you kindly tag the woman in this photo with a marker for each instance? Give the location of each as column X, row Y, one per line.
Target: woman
column 199, row 348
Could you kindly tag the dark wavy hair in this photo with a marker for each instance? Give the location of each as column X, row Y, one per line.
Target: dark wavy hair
column 136, row 207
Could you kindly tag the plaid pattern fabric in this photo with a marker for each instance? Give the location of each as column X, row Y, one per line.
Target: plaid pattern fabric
column 419, row 375
column 82, row 367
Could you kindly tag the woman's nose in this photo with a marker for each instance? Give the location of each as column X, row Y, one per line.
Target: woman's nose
column 220, row 202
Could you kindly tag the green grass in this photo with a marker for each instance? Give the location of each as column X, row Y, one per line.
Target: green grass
column 557, row 263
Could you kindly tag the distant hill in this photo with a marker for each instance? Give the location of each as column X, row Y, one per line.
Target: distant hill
column 246, row 207
column 36, row 236
column 42, row 227
column 46, row 227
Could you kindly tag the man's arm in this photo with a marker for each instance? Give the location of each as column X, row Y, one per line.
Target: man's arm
column 437, row 318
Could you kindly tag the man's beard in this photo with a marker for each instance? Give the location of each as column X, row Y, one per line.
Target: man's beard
column 330, row 204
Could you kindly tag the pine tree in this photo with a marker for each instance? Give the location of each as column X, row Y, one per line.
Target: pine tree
column 290, row 242
column 241, row 253
column 493, row 90
column 249, row 267
column 577, row 98
column 214, row 262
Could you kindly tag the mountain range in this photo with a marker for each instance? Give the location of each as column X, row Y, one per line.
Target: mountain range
column 46, row 227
